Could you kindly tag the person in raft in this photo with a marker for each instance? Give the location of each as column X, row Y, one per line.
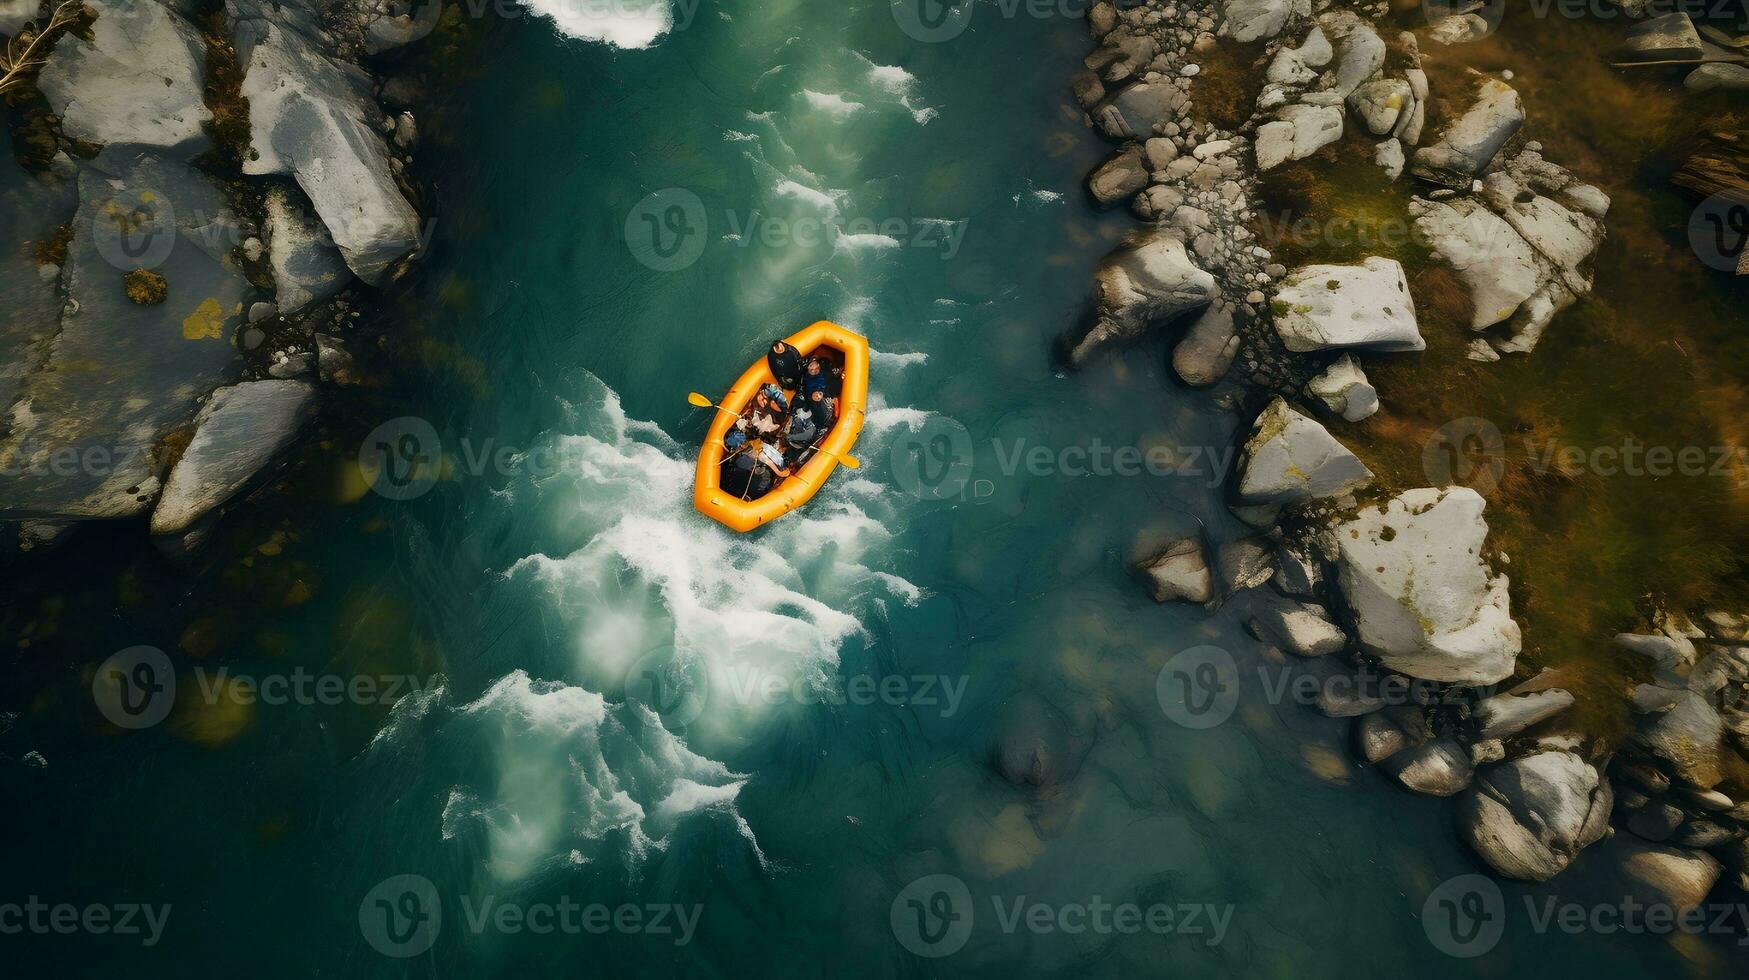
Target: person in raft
column 786, row 365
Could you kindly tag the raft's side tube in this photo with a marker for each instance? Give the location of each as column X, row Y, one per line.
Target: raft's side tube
column 745, row 515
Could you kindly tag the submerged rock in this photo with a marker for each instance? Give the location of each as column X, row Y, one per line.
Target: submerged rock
column 1671, row 37
column 1468, row 146
column 1689, row 734
column 137, row 81
column 1721, row 77
column 1666, row 876
column 1291, row 459
column 34, row 215
column 1246, row 564
column 1140, row 110
column 1529, row 817
column 1181, row 571
column 1320, row 307
column 238, row 432
column 1146, row 282
column 1411, row 574
column 1206, row 352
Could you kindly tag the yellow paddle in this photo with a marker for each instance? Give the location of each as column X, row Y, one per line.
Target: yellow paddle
column 701, row 401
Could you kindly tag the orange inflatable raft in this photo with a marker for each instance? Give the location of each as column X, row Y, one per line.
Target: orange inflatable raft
column 745, row 515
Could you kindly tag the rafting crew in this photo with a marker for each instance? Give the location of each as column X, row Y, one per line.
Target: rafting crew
column 773, row 438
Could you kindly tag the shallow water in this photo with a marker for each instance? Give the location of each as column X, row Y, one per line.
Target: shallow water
column 538, row 597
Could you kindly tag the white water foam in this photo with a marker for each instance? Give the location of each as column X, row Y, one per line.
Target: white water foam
column 622, row 23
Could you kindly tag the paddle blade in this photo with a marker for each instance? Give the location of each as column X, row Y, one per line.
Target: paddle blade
column 699, row 400
column 851, row 461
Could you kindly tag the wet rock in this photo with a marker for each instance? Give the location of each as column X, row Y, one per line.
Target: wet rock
column 334, row 362
column 1735, row 856
column 1717, row 77
column 1438, row 768
column 1689, row 735
column 1342, row 388
column 1296, row 573
column 1658, row 875
column 1644, row 776
column 32, row 211
column 1359, row 55
column 1246, row 564
column 120, row 376
column 388, row 31
column 1206, row 353
column 1499, row 267
column 1181, row 571
column 1377, row 738
column 1379, row 102
column 1254, row 20
column 1088, row 89
column 314, row 116
column 1119, row 178
column 1389, row 157
column 1301, row 628
column 306, row 267
column 1460, row 29
column 1145, row 283
column 1704, row 834
column 1671, row 37
column 1505, row 715
column 1291, row 459
column 1140, row 110
column 1320, row 307
column 1423, row 601
column 238, row 432
column 1469, row 145
column 1529, row 817
column 1298, row 132
column 1564, row 237
column 137, row 81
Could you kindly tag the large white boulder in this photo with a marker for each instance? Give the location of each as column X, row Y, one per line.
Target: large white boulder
column 1499, row 267
column 238, row 432
column 1529, row 817
column 1320, row 307
column 138, row 80
column 1422, row 599
column 1254, row 20
column 1291, row 459
column 313, row 116
column 1147, row 281
column 1465, row 149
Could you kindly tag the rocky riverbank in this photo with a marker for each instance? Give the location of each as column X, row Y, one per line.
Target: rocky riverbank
column 203, row 201
column 1396, row 589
